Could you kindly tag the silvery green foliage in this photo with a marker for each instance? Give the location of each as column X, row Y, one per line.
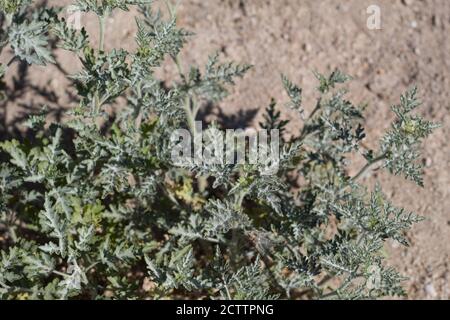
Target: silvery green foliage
column 13, row 6
column 400, row 145
column 26, row 33
column 89, row 214
column 29, row 41
column 102, row 7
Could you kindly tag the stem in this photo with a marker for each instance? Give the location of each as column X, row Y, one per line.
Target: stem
column 101, row 21
column 240, row 199
column 11, row 61
column 4, row 285
column 190, row 115
column 103, row 100
column 234, row 248
column 92, row 266
column 179, row 65
column 367, row 167
column 171, row 8
column 226, row 288
column 62, row 274
column 266, row 259
column 196, row 236
column 9, row 19
column 313, row 113
column 96, row 104
column 337, row 291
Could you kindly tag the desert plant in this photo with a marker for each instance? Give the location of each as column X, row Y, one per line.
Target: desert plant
column 89, row 212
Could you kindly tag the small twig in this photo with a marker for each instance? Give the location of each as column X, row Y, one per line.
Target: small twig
column 11, row 61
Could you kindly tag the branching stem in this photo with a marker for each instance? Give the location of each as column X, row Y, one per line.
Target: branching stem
column 368, row 166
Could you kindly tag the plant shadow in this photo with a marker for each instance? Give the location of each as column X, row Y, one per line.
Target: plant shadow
column 241, row 119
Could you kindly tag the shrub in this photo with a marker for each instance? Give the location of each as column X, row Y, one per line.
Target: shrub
column 94, row 208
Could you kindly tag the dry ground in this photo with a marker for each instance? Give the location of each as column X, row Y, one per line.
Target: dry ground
column 296, row 37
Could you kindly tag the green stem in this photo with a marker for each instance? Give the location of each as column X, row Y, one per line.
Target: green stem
column 179, row 65
column 96, row 103
column 171, row 8
column 367, row 167
column 226, row 288
column 9, row 19
column 101, row 20
column 60, row 273
column 240, row 199
column 313, row 113
column 337, row 292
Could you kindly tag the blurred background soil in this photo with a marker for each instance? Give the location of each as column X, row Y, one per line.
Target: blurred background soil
column 296, row 37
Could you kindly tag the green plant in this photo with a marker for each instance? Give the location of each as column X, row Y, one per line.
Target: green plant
column 88, row 214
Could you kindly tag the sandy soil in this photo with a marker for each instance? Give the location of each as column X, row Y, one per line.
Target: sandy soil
column 295, row 37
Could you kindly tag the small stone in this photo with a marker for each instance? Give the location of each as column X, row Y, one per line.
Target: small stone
column 430, row 290
column 286, row 37
column 237, row 17
column 435, row 21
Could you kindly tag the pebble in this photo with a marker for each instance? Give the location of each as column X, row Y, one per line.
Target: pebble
column 306, row 47
column 430, row 290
